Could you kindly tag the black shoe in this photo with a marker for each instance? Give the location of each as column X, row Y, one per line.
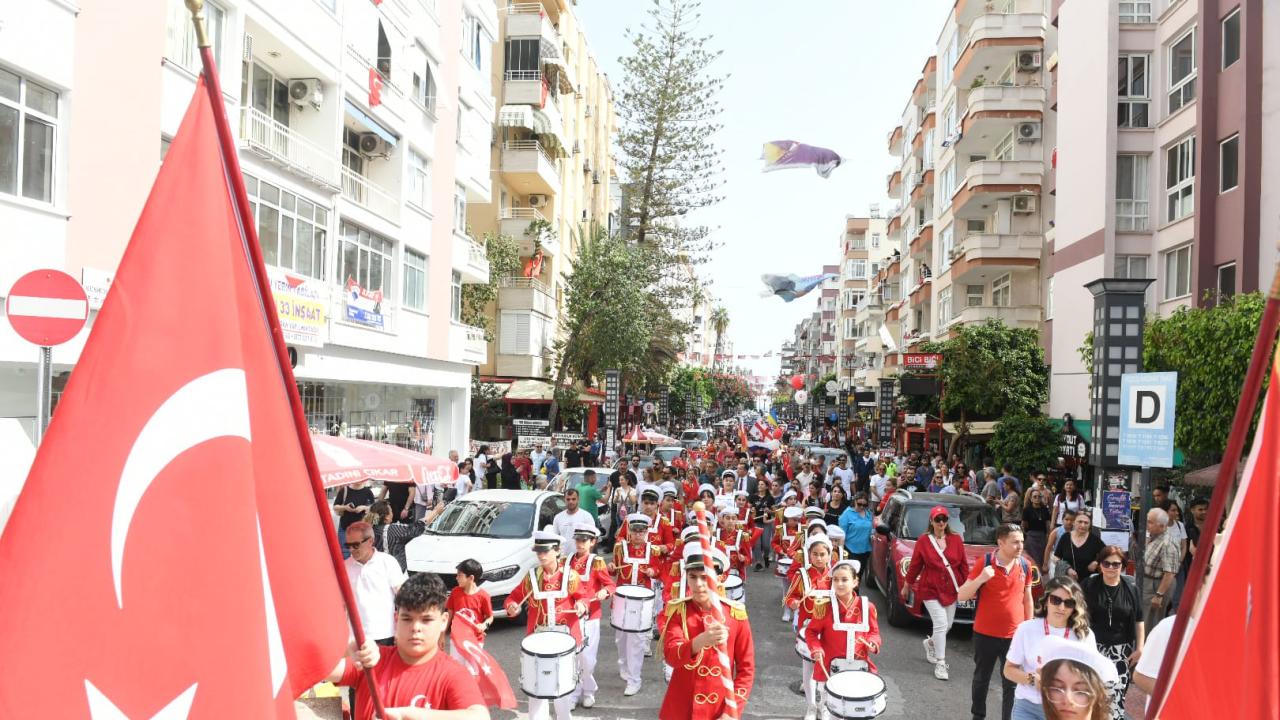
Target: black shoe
column 759, row 567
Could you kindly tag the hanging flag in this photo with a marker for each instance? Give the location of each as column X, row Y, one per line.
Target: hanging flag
column 155, row 601
column 375, row 87
column 1230, row 656
column 466, row 636
column 786, row 154
column 533, row 266
column 790, row 287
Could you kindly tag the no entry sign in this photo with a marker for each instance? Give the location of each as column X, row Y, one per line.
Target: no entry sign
column 46, row 307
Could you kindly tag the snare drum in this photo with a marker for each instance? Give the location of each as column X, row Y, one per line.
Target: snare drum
column 784, row 567
column 548, row 665
column 734, row 589
column 802, row 649
column 855, row 695
column 632, row 609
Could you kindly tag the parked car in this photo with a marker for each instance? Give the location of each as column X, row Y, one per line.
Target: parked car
column 671, row 452
column 695, row 439
column 905, row 519
column 493, row 527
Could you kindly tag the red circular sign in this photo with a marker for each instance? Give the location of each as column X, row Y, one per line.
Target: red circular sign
column 46, row 307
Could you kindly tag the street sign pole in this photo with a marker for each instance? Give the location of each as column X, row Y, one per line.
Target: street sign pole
column 44, row 391
column 1140, row 532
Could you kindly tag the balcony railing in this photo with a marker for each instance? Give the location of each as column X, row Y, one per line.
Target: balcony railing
column 522, row 213
column 526, row 145
column 523, row 75
column 363, row 192
column 278, row 142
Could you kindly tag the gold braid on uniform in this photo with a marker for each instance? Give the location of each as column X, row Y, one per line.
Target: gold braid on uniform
column 820, row 607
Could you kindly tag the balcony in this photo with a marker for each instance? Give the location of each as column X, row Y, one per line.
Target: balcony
column 895, row 141
column 467, row 344
column 920, row 293
column 523, row 87
column 993, row 40
column 895, row 181
column 989, row 180
column 282, row 146
column 525, row 20
column 994, row 109
column 470, row 259
column 922, row 244
column 365, row 193
column 515, row 223
column 522, row 293
column 1022, row 316
column 529, row 168
column 980, row 257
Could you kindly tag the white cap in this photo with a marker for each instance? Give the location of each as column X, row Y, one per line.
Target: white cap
column 1057, row 648
column 639, row 519
column 793, row 513
column 586, row 529
column 817, row 540
column 816, row 523
column 857, row 566
column 669, row 488
column 834, row 532
column 546, row 538
column 706, row 488
column 790, row 494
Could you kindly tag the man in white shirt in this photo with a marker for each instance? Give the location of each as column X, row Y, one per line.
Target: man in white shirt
column 567, row 520
column 538, row 457
column 1148, row 667
column 877, row 488
column 375, row 577
column 841, row 471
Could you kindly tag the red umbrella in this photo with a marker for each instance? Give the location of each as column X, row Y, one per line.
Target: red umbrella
column 345, row 460
column 637, row 436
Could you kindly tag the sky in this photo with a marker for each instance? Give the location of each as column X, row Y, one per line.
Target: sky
column 833, row 73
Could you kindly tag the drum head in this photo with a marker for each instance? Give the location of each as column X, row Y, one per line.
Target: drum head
column 634, row 592
column 733, row 582
column 784, row 562
column 548, row 644
column 855, row 685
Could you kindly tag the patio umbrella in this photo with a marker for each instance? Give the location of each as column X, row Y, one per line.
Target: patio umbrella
column 637, row 436
column 344, row 461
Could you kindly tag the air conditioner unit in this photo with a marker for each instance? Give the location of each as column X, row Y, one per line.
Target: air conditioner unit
column 304, row 91
column 1027, row 131
column 371, row 145
column 586, row 164
column 1024, row 204
column 1029, row 60
column 537, row 201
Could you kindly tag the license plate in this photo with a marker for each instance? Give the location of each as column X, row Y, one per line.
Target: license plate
column 966, row 604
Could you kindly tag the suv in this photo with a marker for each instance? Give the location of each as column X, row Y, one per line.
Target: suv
column 695, row 439
column 906, row 518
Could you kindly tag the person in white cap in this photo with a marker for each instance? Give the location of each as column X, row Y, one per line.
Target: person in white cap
column 1063, row 614
column 812, row 582
column 670, row 507
column 840, row 612
column 783, row 538
column 1075, row 681
column 636, row 561
column 593, row 572
column 728, row 485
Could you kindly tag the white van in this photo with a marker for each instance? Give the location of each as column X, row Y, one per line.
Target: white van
column 694, row 439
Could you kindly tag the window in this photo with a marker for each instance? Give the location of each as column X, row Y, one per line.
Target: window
column 180, row 35
column 949, row 58
column 1002, row 291
column 1131, row 266
column 424, row 85
column 944, row 305
column 858, row 269
column 268, row 95
column 1131, row 192
column 946, row 245
column 366, row 258
column 949, row 122
column 383, row 61
column 1180, row 174
column 455, row 297
column 474, row 39
column 974, row 295
column 1231, row 39
column 419, row 181
column 1182, row 71
column 459, row 209
column 975, row 227
column 28, row 125
column 1229, row 163
column 1226, row 280
column 947, row 183
column 1134, row 105
column 1177, row 273
column 522, row 58
column 1004, row 151
column 415, row 280
column 875, row 240
column 1135, row 11
column 291, row 230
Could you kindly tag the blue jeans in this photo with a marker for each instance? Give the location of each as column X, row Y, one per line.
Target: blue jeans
column 1024, row 709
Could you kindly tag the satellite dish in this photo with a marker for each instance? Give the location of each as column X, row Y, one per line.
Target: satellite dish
column 802, row 396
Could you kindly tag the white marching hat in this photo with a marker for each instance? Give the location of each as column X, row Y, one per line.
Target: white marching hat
column 793, row 513
column 857, row 566
column 1056, row 648
column 638, row 519
column 546, row 539
column 817, row 540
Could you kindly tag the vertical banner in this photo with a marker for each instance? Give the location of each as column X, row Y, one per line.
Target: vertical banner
column 842, row 400
column 664, row 398
column 888, row 410
column 612, row 385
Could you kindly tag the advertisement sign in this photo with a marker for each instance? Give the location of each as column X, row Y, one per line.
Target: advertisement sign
column 1148, row 405
column 562, row 440
column 363, row 307
column 888, row 409
column 303, row 307
column 531, row 433
column 1116, row 509
column 497, row 448
column 664, row 400
column 843, row 400
column 612, row 385
column 921, row 361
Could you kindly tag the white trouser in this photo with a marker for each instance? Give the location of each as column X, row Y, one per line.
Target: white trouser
column 587, row 660
column 631, row 654
column 539, row 709
column 942, row 617
column 806, row 680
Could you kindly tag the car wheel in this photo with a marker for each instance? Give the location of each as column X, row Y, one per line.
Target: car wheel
column 898, row 615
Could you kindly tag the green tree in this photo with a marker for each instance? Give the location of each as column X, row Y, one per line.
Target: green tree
column 686, row 385
column 504, row 260
column 719, row 324
column 1027, row 443
column 488, row 408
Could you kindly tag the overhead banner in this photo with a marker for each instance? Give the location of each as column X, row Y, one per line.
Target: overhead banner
column 302, row 306
column 843, row 400
column 530, row 433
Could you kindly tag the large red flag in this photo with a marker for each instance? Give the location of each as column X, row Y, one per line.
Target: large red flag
column 1230, row 655
column 465, row 636
column 165, row 558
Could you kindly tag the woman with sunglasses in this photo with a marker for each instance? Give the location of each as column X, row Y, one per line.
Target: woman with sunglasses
column 1115, row 615
column 1063, row 613
column 1075, row 684
column 938, row 567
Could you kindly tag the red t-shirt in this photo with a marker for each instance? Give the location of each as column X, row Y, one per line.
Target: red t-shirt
column 440, row 683
column 479, row 604
column 1001, row 599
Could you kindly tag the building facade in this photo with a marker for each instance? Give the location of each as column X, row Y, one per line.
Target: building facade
column 864, row 249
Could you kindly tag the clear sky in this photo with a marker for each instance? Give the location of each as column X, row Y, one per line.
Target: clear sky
column 833, row 73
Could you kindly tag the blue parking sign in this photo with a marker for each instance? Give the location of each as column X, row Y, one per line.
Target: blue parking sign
column 1148, row 406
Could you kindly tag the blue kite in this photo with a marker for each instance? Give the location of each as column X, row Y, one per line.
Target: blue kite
column 790, row 287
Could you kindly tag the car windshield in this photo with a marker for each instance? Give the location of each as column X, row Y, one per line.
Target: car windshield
column 486, row 518
column 693, row 435
column 668, row 454
column 976, row 523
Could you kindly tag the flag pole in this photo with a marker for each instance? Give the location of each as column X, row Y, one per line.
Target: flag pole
column 249, row 235
column 1259, row 363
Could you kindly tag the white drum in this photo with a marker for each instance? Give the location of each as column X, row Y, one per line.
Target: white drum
column 784, row 567
column 734, row 589
column 855, row 695
column 802, row 649
column 548, row 665
column 632, row 609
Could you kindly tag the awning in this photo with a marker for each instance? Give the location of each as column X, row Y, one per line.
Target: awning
column 976, row 427
column 343, row 461
column 539, row 391
column 372, row 125
column 516, row 116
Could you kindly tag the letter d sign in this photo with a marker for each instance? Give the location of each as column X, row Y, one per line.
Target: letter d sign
column 1146, row 404
column 1148, row 407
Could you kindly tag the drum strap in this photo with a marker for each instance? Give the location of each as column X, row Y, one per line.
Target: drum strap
column 550, row 596
column 635, row 563
column 941, row 550
column 851, row 629
column 808, row 584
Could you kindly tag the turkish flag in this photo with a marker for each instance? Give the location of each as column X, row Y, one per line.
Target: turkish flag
column 466, row 638
column 165, row 558
column 375, row 87
column 1230, row 655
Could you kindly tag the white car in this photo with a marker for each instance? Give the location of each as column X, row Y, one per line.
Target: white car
column 493, row 527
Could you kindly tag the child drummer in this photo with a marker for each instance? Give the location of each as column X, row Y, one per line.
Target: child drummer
column 593, row 573
column 843, row 633
column 636, row 561
column 786, row 533
column 812, row 582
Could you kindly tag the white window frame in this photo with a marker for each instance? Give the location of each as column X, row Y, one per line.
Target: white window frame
column 1223, row 64
column 1133, row 209
column 180, row 35
column 290, row 206
column 946, row 241
column 875, row 240
column 418, row 187
column 422, row 86
column 1135, row 12
column 455, row 297
column 460, row 209
column 858, row 269
column 1180, row 200
column 944, row 306
column 949, row 120
column 1126, row 266
column 947, row 183
column 1176, row 282
column 1004, row 149
column 1048, row 299
column 369, row 244
column 24, row 113
column 1234, row 140
column 972, row 298
column 1129, row 100
column 1002, row 291
column 1185, row 88
column 1218, row 279
column 414, row 280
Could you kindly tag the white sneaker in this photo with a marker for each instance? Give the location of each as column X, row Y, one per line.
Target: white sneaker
column 940, row 671
column 929, row 654
column 588, row 701
column 811, row 713
column 631, row 689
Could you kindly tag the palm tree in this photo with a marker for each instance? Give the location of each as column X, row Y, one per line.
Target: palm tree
column 719, row 323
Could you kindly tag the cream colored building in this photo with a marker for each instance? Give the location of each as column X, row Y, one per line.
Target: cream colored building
column 551, row 163
column 864, row 248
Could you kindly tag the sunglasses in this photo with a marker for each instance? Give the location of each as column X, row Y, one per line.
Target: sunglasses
column 1058, row 601
column 354, row 545
column 1113, row 564
column 941, row 519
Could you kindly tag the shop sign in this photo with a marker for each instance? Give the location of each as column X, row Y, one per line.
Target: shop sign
column 497, row 448
column 302, row 307
column 531, row 433
column 562, row 441
column 915, row 420
column 888, row 408
column 363, row 307
column 925, row 361
column 1071, row 445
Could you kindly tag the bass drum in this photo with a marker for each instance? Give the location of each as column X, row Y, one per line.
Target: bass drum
column 632, row 609
column 855, row 695
column 734, row 589
column 548, row 665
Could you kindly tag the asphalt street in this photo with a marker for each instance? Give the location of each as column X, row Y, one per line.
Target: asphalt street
column 912, row 691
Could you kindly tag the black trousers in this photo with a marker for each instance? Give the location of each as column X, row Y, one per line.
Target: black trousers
column 989, row 654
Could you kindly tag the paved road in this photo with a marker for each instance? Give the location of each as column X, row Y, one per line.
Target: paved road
column 912, row 689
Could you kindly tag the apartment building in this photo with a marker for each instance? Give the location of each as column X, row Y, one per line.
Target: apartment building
column 1159, row 165
column 363, row 131
column 553, row 173
column 864, row 248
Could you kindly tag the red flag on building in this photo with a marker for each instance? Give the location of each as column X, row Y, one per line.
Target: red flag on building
column 465, row 636
column 375, row 87
column 1230, row 655
column 193, row 579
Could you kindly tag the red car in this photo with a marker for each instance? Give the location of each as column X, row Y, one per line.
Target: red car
column 905, row 518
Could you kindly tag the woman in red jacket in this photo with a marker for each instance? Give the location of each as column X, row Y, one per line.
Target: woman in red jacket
column 938, row 568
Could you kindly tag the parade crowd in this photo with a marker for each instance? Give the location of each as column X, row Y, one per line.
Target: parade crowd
column 671, row 548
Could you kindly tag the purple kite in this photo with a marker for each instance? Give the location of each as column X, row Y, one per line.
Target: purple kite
column 786, row 154
column 790, row 287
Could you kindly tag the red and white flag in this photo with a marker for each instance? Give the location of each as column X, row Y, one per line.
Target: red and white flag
column 467, row 637
column 165, row 558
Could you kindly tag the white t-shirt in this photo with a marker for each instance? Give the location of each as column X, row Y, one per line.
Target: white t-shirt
column 1153, row 649
column 846, row 478
column 464, row 484
column 877, row 487
column 375, row 584
column 481, row 464
column 564, row 524
column 1024, row 650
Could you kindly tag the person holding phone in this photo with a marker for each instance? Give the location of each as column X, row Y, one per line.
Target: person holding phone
column 351, row 503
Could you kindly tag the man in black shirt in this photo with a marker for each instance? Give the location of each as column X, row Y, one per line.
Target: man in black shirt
column 622, row 470
column 573, row 456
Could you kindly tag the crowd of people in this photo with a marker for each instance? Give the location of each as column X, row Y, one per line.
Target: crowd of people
column 806, row 517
